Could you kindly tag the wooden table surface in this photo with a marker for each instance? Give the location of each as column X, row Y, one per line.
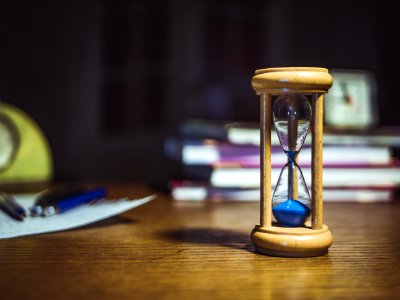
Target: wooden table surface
column 183, row 250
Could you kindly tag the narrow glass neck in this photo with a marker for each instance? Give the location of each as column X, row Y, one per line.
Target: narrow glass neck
column 292, row 180
column 292, row 155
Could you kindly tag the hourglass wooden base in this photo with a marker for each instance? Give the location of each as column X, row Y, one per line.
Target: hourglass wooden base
column 291, row 242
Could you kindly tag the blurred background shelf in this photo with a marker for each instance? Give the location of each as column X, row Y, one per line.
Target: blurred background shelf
column 108, row 81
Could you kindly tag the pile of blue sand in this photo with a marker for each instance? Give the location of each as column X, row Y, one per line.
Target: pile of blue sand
column 291, row 213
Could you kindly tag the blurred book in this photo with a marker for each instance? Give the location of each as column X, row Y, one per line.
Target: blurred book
column 383, row 176
column 201, row 128
column 200, row 191
column 249, row 133
column 242, row 133
column 208, row 151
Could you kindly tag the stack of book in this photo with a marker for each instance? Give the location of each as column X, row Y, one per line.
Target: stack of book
column 224, row 163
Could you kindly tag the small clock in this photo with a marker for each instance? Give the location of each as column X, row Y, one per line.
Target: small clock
column 9, row 142
column 351, row 101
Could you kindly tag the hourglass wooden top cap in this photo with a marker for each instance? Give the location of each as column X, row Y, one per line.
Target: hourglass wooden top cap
column 293, row 79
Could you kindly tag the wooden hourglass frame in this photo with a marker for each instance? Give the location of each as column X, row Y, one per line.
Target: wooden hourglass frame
column 270, row 237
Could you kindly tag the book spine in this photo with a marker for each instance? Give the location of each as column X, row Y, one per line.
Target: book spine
column 249, row 156
column 332, row 177
column 192, row 191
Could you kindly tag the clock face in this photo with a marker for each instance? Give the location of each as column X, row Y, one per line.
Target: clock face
column 350, row 103
column 9, row 142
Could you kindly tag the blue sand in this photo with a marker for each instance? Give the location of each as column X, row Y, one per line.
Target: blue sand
column 291, row 213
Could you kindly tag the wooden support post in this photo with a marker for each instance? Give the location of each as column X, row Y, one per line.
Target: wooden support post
column 265, row 160
column 316, row 162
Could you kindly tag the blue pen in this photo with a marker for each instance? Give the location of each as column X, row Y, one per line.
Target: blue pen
column 47, row 198
column 66, row 204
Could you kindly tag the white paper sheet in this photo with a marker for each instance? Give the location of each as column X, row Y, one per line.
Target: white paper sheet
column 82, row 215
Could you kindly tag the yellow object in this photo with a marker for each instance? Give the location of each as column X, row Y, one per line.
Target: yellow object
column 32, row 158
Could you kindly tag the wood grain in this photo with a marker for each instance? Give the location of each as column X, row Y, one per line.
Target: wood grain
column 178, row 250
column 291, row 80
column 265, row 160
column 316, row 160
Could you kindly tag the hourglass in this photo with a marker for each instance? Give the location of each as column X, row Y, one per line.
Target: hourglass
column 291, row 99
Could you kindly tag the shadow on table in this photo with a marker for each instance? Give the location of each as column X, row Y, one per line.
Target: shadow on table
column 112, row 221
column 211, row 236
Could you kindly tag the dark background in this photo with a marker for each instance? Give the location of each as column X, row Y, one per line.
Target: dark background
column 108, row 80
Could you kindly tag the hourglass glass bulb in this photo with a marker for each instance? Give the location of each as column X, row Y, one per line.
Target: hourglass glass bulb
column 292, row 117
column 291, row 201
